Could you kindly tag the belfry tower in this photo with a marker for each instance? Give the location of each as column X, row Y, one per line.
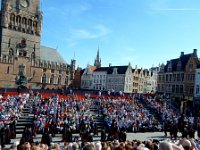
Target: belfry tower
column 20, row 30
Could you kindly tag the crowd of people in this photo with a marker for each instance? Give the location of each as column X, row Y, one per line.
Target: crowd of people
column 10, row 109
column 174, row 121
column 129, row 114
column 61, row 116
column 182, row 144
column 70, row 115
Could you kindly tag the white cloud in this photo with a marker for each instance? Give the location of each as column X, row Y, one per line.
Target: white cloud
column 96, row 32
column 168, row 6
column 177, row 9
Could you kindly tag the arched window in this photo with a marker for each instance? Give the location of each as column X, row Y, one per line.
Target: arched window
column 18, row 20
column 24, row 53
column 44, row 78
column 8, row 70
column 66, row 80
column 59, row 80
column 52, row 79
column 29, row 25
column 12, row 18
column 33, row 55
column 24, row 23
column 35, row 26
column 11, row 52
column 9, row 42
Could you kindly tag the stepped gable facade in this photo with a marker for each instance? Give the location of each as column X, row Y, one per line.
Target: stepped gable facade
column 176, row 79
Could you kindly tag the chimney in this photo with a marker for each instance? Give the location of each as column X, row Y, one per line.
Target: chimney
column 182, row 53
column 110, row 64
column 195, row 52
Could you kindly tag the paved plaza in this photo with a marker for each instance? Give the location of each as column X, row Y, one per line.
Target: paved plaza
column 130, row 136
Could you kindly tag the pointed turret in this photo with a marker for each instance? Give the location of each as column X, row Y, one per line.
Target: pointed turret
column 97, row 61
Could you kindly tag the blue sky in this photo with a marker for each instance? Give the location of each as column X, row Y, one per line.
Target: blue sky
column 143, row 32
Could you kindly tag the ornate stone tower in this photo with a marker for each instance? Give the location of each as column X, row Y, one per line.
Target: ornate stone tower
column 20, row 30
column 97, row 61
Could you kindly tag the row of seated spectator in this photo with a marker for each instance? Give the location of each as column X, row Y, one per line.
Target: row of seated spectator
column 10, row 110
column 182, row 144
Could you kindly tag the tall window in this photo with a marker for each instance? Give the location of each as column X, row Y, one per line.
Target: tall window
column 12, row 18
column 18, row 20
column 179, row 66
column 11, row 52
column 29, row 24
column 197, row 89
column 52, row 79
column 8, row 70
column 66, row 80
column 178, row 77
column 35, row 25
column 44, row 78
column 52, row 70
column 9, row 42
column 167, row 77
column 59, row 80
column 181, row 88
column 24, row 22
column 33, row 55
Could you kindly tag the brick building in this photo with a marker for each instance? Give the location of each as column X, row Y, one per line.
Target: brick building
column 176, row 78
column 22, row 58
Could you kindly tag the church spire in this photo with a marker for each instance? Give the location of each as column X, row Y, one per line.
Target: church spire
column 97, row 61
column 98, row 54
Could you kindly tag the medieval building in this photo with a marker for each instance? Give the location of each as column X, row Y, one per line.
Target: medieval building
column 23, row 61
column 176, row 79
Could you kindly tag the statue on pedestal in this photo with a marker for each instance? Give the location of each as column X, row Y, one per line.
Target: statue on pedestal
column 21, row 78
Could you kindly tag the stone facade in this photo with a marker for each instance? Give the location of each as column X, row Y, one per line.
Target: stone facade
column 197, row 83
column 76, row 84
column 87, row 77
column 135, row 80
column 145, row 80
column 176, row 78
column 21, row 26
column 119, row 78
column 99, row 79
column 50, row 76
column 154, row 78
column 140, row 81
column 197, row 90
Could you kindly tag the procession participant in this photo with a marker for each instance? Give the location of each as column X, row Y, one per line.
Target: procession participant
column 46, row 138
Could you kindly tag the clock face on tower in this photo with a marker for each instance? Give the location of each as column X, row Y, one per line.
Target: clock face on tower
column 24, row 3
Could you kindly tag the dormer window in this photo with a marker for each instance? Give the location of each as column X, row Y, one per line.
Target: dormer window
column 162, row 68
column 169, row 68
column 190, row 67
column 115, row 71
column 179, row 66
